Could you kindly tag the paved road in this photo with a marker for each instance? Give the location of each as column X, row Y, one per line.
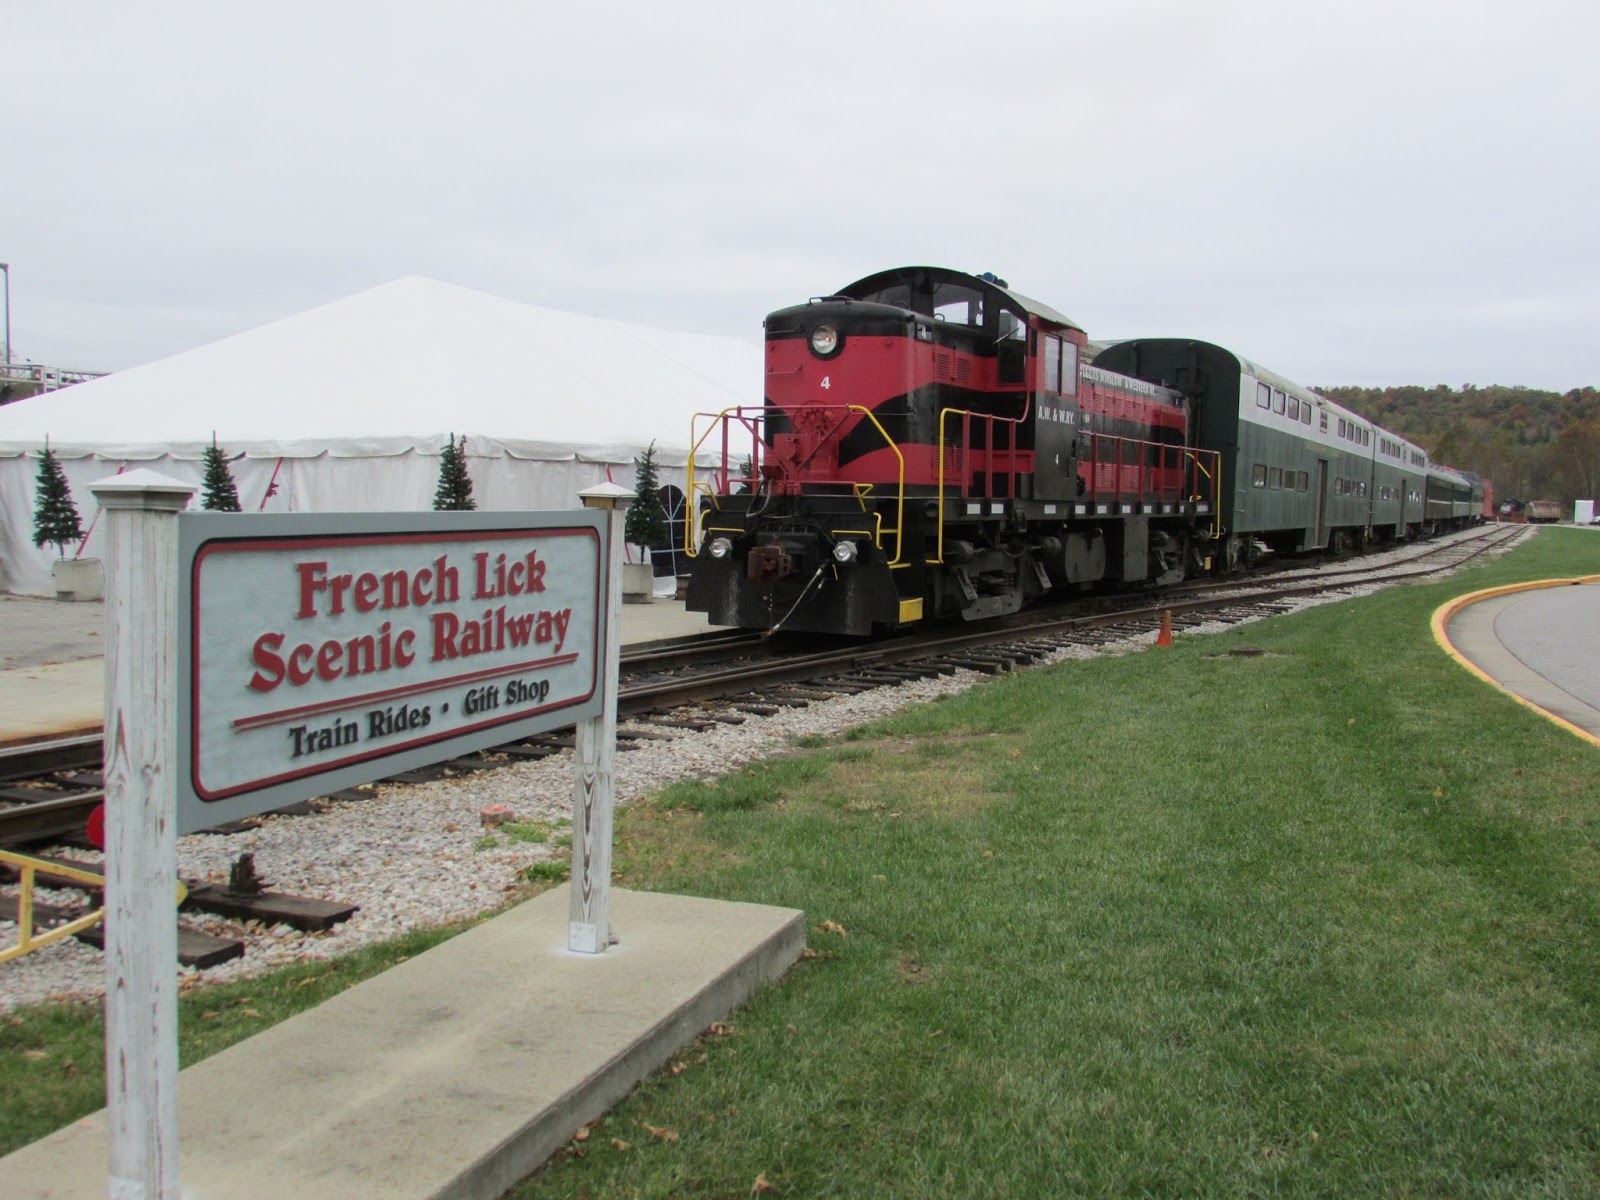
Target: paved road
column 1557, row 633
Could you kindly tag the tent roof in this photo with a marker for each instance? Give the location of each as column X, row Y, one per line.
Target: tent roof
column 400, row 366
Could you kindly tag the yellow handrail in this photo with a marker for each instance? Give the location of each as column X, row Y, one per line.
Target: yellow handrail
column 964, row 412
column 28, row 867
column 692, row 490
column 1194, row 455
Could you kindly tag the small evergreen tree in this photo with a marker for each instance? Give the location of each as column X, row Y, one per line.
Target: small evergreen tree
column 646, row 522
column 55, row 516
column 220, row 495
column 455, row 485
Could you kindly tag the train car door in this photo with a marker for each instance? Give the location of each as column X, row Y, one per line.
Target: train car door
column 1322, row 502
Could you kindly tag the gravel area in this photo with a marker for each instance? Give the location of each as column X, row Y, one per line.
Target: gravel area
column 417, row 855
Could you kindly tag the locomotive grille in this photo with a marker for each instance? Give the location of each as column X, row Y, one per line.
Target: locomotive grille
column 949, row 369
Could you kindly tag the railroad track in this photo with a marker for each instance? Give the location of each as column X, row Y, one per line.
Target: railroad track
column 679, row 686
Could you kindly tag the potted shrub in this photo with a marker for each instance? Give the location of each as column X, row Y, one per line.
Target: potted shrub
column 56, row 523
column 645, row 527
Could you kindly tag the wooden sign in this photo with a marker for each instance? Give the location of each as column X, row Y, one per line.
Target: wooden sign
column 319, row 651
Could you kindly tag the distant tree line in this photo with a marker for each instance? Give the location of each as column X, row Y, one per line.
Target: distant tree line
column 1534, row 445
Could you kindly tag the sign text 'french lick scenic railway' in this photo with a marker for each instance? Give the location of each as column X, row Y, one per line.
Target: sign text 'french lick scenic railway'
column 304, row 658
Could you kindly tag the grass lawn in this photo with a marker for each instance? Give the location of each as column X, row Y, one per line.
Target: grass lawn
column 1320, row 922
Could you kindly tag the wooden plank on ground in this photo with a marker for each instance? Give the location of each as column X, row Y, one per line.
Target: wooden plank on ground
column 271, row 908
column 198, row 950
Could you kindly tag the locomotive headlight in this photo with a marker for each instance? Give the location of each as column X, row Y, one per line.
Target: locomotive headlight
column 824, row 341
column 720, row 548
column 844, row 552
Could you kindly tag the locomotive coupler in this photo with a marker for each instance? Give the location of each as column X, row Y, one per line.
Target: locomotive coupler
column 768, row 564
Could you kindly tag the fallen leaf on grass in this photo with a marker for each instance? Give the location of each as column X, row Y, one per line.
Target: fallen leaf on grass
column 678, row 1068
column 720, row 1029
column 666, row 1135
column 762, row 1185
column 619, row 1143
column 35, row 1055
column 582, row 1135
column 832, row 927
column 248, row 1012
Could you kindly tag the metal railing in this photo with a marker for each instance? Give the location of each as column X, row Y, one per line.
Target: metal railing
column 27, row 868
column 751, row 418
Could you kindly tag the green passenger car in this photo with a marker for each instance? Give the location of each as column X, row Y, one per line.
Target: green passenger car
column 1299, row 471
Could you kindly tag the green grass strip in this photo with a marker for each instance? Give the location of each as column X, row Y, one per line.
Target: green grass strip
column 1319, row 922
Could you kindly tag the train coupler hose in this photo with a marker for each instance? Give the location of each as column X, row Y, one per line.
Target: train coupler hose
column 810, row 583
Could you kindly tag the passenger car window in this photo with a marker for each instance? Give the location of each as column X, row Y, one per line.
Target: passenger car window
column 1263, row 396
column 1258, row 476
column 1277, row 402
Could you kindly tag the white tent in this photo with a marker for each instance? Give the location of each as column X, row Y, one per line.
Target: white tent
column 347, row 406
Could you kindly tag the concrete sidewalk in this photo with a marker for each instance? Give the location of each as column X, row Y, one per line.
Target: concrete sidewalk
column 454, row 1074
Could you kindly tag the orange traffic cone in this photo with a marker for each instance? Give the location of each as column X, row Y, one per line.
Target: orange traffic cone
column 1164, row 638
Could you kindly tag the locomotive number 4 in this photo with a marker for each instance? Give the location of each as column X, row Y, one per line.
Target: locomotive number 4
column 825, row 385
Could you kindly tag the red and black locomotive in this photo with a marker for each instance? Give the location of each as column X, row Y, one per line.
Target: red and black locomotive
column 931, row 447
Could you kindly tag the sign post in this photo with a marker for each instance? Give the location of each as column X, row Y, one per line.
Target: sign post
column 141, row 761
column 594, row 784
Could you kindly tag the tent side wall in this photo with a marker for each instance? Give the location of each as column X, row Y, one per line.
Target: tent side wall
column 508, row 478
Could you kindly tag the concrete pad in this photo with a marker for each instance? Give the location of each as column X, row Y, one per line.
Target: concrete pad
column 454, row 1074
column 52, row 700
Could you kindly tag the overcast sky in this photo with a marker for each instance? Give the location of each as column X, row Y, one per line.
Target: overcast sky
column 1352, row 192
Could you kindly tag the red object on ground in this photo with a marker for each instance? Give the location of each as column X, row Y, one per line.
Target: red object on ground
column 95, row 827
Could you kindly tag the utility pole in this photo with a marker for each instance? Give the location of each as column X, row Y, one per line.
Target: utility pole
column 5, row 269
